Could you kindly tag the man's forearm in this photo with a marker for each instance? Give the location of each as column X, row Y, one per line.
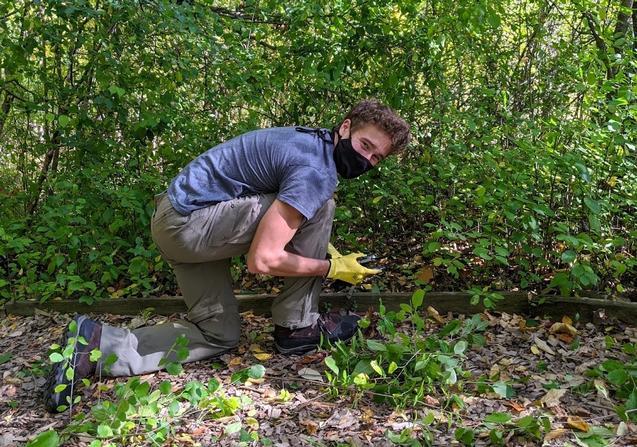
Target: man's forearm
column 288, row 264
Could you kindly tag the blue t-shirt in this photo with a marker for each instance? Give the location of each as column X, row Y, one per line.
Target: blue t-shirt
column 296, row 165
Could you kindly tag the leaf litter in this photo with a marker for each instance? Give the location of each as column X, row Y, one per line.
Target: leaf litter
column 291, row 405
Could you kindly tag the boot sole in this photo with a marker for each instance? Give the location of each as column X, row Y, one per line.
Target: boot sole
column 307, row 347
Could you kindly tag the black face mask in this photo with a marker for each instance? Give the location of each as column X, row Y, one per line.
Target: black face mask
column 349, row 163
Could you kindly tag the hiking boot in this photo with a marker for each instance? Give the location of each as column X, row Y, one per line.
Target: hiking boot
column 80, row 362
column 334, row 326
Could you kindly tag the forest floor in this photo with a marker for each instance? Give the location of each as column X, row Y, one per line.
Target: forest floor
column 546, row 372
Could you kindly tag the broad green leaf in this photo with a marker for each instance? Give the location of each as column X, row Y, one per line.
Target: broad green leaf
column 376, row 367
column 256, row 371
column 417, row 298
column 232, row 428
column 498, row 418
column 331, row 364
column 56, row 357
column 376, row 346
column 48, row 438
column 593, row 205
column 460, row 347
column 104, row 431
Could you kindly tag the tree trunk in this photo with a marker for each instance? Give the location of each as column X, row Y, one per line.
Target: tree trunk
column 6, row 108
column 635, row 27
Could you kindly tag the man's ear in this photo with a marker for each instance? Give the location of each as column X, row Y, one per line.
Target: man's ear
column 345, row 128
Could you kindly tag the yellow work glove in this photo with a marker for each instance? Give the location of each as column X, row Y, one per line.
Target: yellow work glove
column 332, row 251
column 346, row 268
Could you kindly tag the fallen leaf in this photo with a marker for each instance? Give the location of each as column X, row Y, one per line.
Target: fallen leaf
column 552, row 397
column 567, row 320
column 544, row 346
column 430, row 400
column 263, row 356
column 515, row 406
column 535, row 350
column 315, row 357
column 185, row 438
column 433, row 313
column 577, row 423
column 310, row 426
column 198, row 431
column 236, row 361
column 555, row 434
column 622, row 429
column 367, row 415
column 566, row 338
column 425, row 274
column 255, row 348
column 310, row 374
column 563, row 328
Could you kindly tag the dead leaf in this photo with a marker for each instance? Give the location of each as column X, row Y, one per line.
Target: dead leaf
column 622, row 429
column 425, row 274
column 577, row 423
column 310, row 374
column 563, row 328
column 430, row 400
column 555, row 434
column 433, row 313
column 185, row 438
column 552, row 397
column 255, row 348
column 236, row 361
column 567, row 320
column 315, row 357
column 198, row 431
column 515, row 406
column 544, row 346
column 367, row 415
column 263, row 356
column 310, row 426
column 535, row 350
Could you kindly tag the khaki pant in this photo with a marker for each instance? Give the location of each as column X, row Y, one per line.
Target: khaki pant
column 199, row 247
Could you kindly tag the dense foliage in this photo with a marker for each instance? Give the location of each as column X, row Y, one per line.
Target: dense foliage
column 523, row 168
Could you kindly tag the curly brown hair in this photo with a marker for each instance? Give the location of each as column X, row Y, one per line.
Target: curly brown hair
column 371, row 111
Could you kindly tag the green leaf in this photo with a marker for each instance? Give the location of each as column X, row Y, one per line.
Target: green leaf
column 4, row 358
column 142, row 389
column 256, row 371
column 165, row 387
column 460, row 347
column 232, row 428
column 417, row 298
column 64, row 120
column 498, row 418
column 59, row 388
column 96, row 354
column 104, row 431
column 376, row 367
column 569, row 256
column 56, row 357
column 503, row 390
column 592, row 205
column 47, row 439
column 376, row 346
column 618, row 377
column 465, row 436
column 174, row 369
column 331, row 364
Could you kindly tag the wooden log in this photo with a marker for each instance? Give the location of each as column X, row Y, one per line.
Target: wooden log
column 588, row 309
